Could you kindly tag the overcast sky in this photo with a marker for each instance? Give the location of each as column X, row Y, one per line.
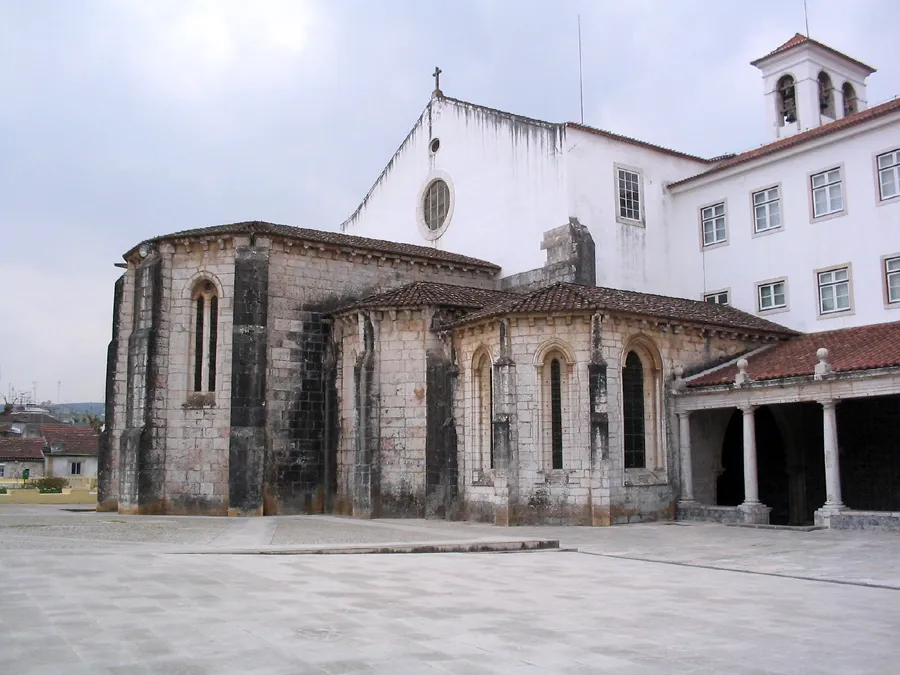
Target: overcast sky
column 124, row 119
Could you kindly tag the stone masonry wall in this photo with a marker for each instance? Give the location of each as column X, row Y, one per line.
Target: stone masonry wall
column 306, row 283
column 197, row 428
column 593, row 486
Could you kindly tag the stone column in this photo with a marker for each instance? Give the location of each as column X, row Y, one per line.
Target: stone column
column 751, row 478
column 833, row 500
column 753, row 511
column 687, row 469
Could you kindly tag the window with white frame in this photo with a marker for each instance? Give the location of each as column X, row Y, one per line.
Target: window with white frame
column 76, row 469
column 629, row 186
column 772, row 295
column 766, row 210
column 892, row 278
column 713, row 223
column 889, row 174
column 827, row 193
column 834, row 290
column 717, row 298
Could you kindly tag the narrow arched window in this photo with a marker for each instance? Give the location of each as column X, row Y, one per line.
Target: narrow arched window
column 787, row 100
column 851, row 103
column 556, row 433
column 826, row 95
column 484, row 440
column 633, row 412
column 204, row 331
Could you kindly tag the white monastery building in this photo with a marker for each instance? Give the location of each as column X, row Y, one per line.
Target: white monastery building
column 527, row 321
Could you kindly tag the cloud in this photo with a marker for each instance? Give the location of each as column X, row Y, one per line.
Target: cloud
column 124, row 120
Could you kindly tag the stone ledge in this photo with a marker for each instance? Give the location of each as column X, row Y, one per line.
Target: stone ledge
column 884, row 521
column 508, row 546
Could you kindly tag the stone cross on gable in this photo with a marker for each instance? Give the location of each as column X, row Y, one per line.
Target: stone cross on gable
column 437, row 80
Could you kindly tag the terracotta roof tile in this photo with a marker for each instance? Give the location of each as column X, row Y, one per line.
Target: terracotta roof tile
column 800, row 39
column 637, row 142
column 331, row 238
column 75, row 440
column 426, row 293
column 564, row 297
column 798, row 139
column 21, row 449
column 849, row 349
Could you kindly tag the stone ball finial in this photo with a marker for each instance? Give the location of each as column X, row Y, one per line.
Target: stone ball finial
column 679, row 372
column 742, row 366
column 823, row 368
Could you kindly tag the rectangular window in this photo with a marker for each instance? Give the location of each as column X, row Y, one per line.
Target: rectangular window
column 720, row 298
column 772, row 295
column 889, row 174
column 766, row 210
column 834, row 290
column 556, row 413
column 826, row 193
column 629, row 183
column 892, row 277
column 2, row 470
column 713, row 219
column 76, row 469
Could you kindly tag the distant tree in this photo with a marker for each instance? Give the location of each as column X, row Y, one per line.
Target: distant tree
column 96, row 422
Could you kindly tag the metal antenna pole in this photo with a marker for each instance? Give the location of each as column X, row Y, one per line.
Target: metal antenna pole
column 580, row 71
column 806, row 17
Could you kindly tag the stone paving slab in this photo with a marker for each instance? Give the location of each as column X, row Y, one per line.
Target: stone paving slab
column 144, row 612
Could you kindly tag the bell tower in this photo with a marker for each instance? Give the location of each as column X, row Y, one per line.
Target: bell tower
column 808, row 84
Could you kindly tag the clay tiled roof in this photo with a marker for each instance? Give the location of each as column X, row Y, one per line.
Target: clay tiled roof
column 21, row 449
column 798, row 139
column 76, row 440
column 800, row 39
column 330, row 238
column 849, row 349
column 564, row 297
column 637, row 142
column 429, row 294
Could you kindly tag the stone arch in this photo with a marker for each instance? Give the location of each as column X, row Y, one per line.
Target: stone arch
column 851, row 102
column 641, row 404
column 482, row 406
column 202, row 294
column 192, row 284
column 786, row 99
column 554, row 344
column 826, row 95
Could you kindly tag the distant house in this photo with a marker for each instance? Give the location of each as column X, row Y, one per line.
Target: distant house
column 70, row 452
column 18, row 454
column 26, row 423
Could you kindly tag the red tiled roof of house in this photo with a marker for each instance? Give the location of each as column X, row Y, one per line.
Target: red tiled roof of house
column 329, row 238
column 430, row 294
column 797, row 139
column 800, row 39
column 21, row 449
column 849, row 349
column 563, row 297
column 75, row 440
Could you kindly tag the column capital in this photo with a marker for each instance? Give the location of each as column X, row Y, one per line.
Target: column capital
column 684, row 414
column 747, row 409
column 828, row 403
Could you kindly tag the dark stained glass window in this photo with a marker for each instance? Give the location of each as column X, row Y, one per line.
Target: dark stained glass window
column 633, row 412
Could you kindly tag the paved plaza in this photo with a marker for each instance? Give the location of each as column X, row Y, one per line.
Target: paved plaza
column 87, row 592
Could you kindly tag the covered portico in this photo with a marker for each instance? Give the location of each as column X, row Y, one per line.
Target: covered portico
column 764, row 439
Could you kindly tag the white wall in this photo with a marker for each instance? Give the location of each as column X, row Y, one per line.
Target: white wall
column 628, row 256
column 867, row 230
column 507, row 176
column 62, row 465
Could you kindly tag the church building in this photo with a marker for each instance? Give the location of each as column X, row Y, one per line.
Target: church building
column 529, row 322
